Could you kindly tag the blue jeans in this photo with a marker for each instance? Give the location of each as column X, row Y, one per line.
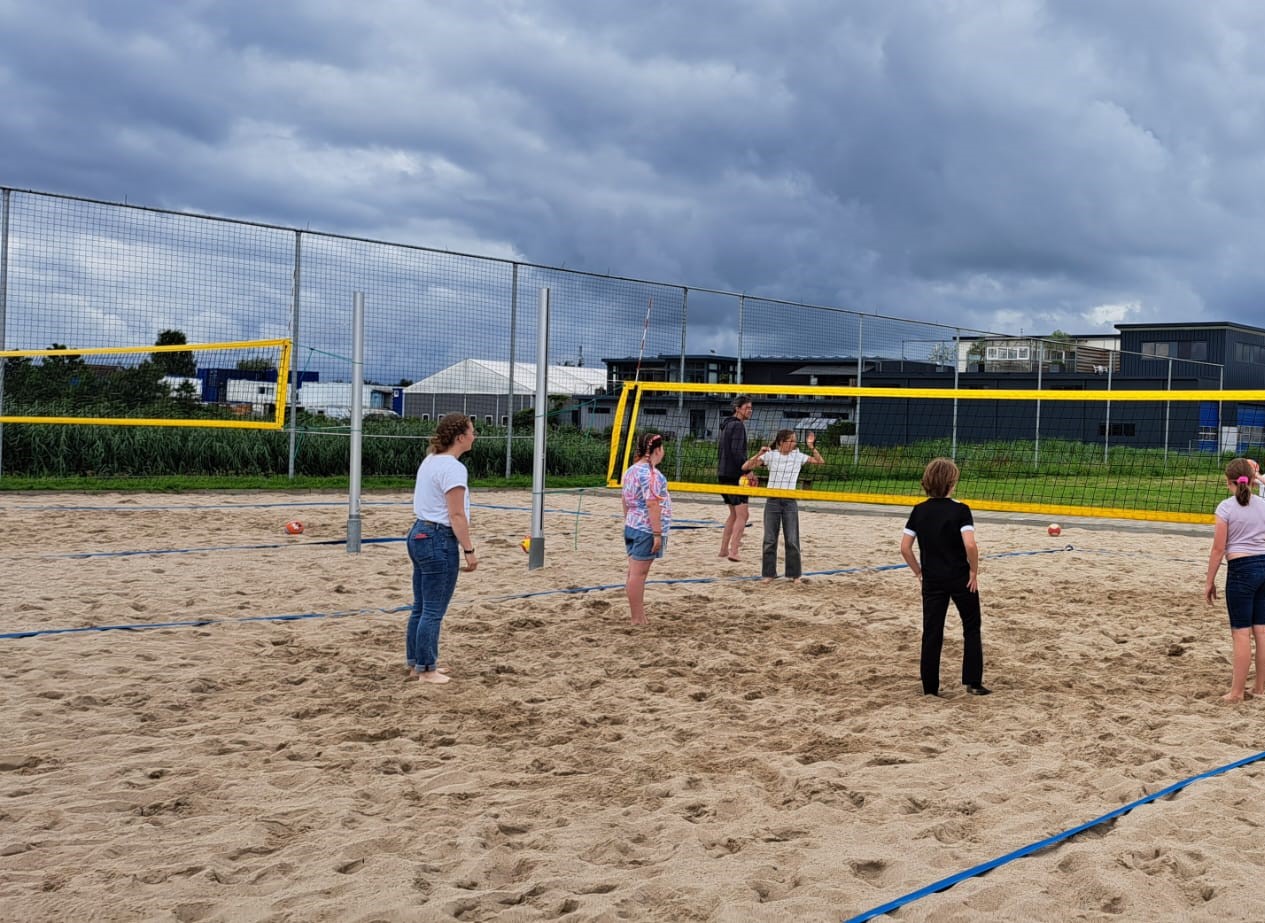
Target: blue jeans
column 784, row 515
column 436, row 557
column 1245, row 591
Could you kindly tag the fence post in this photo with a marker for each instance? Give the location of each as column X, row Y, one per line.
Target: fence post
column 296, row 370
column 957, row 352
column 856, row 417
column 1106, row 435
column 1036, row 443
column 4, row 306
column 509, row 419
column 680, row 395
column 1168, row 407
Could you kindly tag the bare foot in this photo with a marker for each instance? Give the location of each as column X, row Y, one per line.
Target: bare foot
column 433, row 676
column 413, row 671
column 1231, row 697
column 766, row 579
column 734, row 558
column 723, row 554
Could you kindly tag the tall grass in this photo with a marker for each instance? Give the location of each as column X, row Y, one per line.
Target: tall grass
column 1055, row 472
column 390, row 448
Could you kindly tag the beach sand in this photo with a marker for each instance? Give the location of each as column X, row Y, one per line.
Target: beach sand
column 756, row 753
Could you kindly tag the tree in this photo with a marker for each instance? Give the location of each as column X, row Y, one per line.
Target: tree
column 132, row 388
column 257, row 364
column 57, row 381
column 1060, row 347
column 943, row 354
column 175, row 364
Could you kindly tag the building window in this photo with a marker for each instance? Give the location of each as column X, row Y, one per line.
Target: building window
column 1118, row 429
column 655, row 411
column 1196, row 350
column 425, row 416
column 505, row 421
column 1008, row 353
column 605, row 410
column 487, row 419
column 1250, row 353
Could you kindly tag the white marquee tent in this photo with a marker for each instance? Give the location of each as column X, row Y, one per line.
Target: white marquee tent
column 482, row 388
column 485, row 376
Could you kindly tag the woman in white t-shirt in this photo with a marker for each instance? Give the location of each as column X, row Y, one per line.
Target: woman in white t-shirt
column 784, row 461
column 1240, row 539
column 438, row 540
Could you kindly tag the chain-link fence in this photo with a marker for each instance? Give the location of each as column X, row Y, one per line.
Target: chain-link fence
column 443, row 331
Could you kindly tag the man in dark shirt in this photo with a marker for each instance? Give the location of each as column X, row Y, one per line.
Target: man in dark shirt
column 948, row 569
column 731, row 451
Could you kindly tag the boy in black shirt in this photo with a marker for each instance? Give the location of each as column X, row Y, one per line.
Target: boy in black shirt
column 949, row 569
column 731, row 453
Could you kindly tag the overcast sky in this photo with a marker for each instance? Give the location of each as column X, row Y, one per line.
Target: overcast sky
column 995, row 164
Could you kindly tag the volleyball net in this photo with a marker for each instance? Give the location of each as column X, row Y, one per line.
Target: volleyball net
column 239, row 385
column 1145, row 455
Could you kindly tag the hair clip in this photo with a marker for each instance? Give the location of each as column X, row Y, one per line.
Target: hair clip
column 1241, row 480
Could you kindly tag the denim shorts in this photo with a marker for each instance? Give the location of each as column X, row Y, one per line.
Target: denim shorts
column 639, row 545
column 1245, row 591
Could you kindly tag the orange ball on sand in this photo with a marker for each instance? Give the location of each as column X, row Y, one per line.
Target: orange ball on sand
column 294, row 527
column 1054, row 528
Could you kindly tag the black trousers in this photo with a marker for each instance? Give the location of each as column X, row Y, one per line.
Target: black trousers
column 935, row 607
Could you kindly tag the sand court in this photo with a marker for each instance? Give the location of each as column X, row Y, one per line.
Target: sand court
column 757, row 753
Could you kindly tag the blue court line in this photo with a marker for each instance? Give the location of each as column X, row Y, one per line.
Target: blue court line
column 672, row 581
column 225, row 507
column 140, row 626
column 330, row 541
column 123, row 554
column 946, row 883
column 197, row 623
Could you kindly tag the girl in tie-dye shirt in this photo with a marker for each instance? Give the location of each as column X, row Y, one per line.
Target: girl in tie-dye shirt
column 647, row 517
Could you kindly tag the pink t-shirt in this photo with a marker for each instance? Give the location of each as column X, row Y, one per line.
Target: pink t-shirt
column 1246, row 525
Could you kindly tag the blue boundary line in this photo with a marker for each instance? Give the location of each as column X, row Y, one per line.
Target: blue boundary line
column 672, row 581
column 140, row 626
column 945, row 883
column 124, row 554
column 329, row 541
column 198, row 623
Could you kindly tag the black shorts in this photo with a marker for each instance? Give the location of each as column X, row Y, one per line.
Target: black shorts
column 732, row 499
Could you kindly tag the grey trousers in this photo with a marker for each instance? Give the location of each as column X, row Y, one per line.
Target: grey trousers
column 780, row 514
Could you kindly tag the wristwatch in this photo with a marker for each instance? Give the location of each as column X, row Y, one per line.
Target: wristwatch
column 469, row 550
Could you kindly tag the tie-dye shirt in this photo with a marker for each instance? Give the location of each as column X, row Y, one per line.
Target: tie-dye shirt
column 643, row 482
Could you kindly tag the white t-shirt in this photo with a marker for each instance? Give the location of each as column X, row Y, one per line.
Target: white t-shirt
column 784, row 469
column 437, row 475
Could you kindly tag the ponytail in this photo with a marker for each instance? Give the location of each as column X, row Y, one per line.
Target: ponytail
column 1240, row 474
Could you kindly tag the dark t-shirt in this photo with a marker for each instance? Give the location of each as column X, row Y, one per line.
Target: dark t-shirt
column 731, row 448
column 938, row 524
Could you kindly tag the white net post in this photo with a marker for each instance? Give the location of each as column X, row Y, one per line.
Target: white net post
column 357, row 419
column 536, row 549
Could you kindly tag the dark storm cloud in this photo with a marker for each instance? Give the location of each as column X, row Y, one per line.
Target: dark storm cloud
column 1036, row 164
